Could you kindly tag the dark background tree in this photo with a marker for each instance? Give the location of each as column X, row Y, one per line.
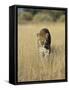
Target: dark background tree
column 30, row 15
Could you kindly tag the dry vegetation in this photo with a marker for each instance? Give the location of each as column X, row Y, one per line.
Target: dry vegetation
column 30, row 66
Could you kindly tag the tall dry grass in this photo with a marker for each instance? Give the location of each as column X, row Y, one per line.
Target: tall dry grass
column 30, row 66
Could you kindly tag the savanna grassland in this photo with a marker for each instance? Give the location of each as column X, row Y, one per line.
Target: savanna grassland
column 30, row 67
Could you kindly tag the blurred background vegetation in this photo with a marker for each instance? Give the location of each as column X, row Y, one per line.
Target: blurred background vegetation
column 40, row 15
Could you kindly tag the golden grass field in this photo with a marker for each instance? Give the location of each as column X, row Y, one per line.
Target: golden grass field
column 30, row 67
